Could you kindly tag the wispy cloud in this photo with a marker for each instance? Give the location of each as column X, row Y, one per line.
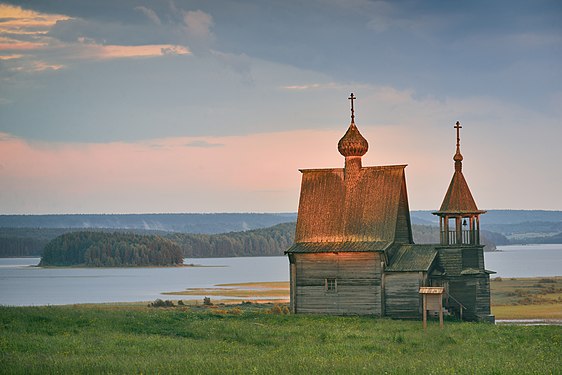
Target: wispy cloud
column 25, row 42
column 10, row 57
column 87, row 50
column 14, row 19
column 198, row 24
column 314, row 86
column 24, row 30
column 203, row 144
column 150, row 14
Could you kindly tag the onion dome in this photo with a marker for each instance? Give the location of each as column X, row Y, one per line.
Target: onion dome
column 353, row 143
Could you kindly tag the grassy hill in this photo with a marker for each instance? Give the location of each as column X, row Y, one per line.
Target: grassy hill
column 249, row 339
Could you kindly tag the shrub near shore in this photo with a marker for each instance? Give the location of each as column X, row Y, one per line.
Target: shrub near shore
column 128, row 339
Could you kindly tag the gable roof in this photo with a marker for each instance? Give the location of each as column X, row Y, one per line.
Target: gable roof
column 363, row 208
column 410, row 257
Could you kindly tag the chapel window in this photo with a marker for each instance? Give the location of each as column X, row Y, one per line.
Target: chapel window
column 331, row 285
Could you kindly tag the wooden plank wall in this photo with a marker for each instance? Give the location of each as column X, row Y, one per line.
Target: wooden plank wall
column 358, row 278
column 451, row 260
column 402, row 298
column 482, row 306
column 470, row 258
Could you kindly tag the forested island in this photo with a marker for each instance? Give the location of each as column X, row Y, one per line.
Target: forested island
column 104, row 249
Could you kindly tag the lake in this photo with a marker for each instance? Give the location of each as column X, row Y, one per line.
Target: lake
column 22, row 284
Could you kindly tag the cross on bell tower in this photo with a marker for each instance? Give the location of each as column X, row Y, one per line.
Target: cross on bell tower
column 458, row 127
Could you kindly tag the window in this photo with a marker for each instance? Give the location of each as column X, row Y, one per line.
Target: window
column 331, row 285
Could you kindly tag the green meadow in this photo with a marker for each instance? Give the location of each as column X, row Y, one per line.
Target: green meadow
column 249, row 338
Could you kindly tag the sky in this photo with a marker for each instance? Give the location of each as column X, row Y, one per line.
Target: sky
column 136, row 106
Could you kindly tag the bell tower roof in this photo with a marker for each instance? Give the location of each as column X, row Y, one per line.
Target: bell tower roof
column 458, row 199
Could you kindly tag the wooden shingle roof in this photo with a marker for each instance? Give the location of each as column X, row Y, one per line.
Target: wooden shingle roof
column 332, row 209
column 458, row 198
column 410, row 257
column 354, row 208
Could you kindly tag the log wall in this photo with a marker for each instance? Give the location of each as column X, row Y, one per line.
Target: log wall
column 402, row 298
column 358, row 279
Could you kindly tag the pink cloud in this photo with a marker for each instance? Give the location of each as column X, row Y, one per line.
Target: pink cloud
column 98, row 51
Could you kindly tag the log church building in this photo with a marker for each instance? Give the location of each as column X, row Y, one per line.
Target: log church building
column 354, row 252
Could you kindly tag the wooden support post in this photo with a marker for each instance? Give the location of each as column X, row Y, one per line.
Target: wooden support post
column 440, row 312
column 293, row 287
column 424, row 311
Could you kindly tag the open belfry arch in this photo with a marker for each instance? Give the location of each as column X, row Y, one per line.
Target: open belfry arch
column 354, row 252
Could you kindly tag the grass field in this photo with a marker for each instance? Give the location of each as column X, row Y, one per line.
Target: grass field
column 527, row 298
column 247, row 339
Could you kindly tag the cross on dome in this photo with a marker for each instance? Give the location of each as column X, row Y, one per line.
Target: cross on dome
column 352, row 144
column 352, row 98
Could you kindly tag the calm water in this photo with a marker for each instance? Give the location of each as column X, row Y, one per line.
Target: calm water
column 21, row 284
column 525, row 260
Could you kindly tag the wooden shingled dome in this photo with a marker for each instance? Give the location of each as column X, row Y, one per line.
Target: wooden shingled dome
column 353, row 143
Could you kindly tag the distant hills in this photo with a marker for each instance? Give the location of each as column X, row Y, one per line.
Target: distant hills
column 518, row 226
column 245, row 234
column 493, row 217
column 183, row 223
column 503, row 221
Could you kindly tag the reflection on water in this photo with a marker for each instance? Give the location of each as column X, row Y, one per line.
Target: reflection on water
column 23, row 284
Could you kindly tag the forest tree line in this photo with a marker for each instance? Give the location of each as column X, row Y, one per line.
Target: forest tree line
column 258, row 242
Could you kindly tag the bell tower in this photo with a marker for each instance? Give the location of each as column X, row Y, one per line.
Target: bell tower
column 461, row 255
column 459, row 217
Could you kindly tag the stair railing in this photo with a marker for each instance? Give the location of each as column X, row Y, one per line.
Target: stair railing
column 461, row 306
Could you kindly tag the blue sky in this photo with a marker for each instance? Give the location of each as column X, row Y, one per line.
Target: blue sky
column 184, row 79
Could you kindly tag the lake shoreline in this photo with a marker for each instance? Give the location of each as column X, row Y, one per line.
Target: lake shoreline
column 126, row 267
column 520, row 301
column 24, row 286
